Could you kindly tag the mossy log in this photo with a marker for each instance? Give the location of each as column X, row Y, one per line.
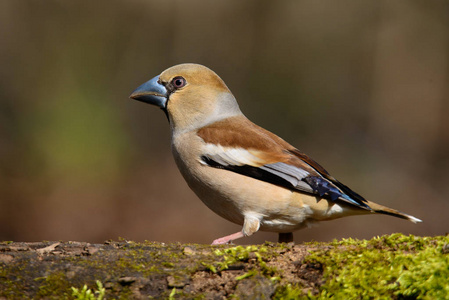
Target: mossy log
column 394, row 266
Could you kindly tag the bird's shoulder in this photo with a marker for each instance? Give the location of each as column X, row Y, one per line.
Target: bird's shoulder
column 240, row 132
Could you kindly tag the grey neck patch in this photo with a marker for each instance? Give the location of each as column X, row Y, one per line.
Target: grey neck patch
column 226, row 106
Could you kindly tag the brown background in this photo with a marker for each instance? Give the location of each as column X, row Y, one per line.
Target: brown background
column 360, row 86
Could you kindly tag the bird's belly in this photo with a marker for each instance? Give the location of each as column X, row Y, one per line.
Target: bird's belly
column 216, row 196
column 232, row 196
column 278, row 209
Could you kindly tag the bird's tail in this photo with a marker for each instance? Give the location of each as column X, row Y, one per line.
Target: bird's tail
column 392, row 212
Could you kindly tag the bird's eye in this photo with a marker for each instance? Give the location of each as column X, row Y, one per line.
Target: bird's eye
column 179, row 82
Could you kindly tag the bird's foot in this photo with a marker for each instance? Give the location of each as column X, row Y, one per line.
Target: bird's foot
column 228, row 239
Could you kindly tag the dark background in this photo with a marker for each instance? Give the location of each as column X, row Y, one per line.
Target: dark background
column 360, row 86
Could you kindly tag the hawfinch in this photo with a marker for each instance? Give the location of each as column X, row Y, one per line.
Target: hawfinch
column 241, row 171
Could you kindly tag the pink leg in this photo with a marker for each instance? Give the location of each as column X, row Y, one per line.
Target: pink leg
column 228, row 239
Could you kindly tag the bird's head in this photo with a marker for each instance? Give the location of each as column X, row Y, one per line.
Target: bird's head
column 191, row 95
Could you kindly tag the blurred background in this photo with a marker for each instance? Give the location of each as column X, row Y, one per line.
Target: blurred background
column 360, row 86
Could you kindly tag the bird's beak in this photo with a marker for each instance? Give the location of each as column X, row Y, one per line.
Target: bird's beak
column 151, row 92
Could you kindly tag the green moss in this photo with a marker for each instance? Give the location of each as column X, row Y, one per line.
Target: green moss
column 209, row 267
column 168, row 264
column 88, row 294
column 384, row 267
column 288, row 292
column 248, row 274
column 125, row 294
column 242, row 254
column 52, row 285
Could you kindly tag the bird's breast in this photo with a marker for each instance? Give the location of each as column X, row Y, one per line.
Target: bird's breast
column 207, row 183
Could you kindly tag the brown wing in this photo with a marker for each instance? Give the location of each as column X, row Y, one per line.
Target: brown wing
column 236, row 144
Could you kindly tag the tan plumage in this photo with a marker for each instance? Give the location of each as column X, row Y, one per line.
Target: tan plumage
column 241, row 171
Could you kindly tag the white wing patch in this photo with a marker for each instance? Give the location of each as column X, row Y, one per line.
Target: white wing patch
column 226, row 156
column 335, row 209
column 229, row 156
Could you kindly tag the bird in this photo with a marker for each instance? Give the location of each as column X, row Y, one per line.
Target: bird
column 241, row 171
